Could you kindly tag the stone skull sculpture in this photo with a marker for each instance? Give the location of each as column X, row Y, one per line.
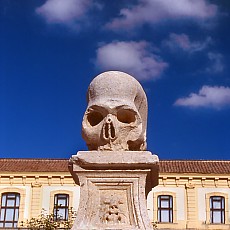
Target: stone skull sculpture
column 116, row 116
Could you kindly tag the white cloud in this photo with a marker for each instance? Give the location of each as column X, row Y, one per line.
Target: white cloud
column 216, row 64
column 131, row 57
column 63, row 11
column 155, row 11
column 215, row 97
column 182, row 41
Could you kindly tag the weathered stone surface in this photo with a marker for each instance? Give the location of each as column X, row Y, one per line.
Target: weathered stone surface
column 115, row 159
column 113, row 189
column 117, row 174
column 116, row 116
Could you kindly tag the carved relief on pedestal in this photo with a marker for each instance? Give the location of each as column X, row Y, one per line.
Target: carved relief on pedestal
column 112, row 212
column 113, row 208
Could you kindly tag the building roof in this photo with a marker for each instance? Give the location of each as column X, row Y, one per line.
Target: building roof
column 195, row 166
column 33, row 165
column 166, row 166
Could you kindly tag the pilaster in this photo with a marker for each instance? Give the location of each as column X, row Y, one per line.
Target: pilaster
column 36, row 198
column 191, row 205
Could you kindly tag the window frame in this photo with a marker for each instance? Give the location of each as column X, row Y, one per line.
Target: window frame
column 217, row 211
column 168, row 198
column 208, row 213
column 6, row 207
column 57, row 207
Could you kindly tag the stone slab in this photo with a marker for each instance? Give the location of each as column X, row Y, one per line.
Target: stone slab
column 115, row 159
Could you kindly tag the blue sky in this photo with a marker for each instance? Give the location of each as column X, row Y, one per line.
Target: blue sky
column 50, row 50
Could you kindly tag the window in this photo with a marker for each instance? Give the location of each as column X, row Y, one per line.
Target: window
column 9, row 210
column 217, row 210
column 61, row 206
column 165, row 209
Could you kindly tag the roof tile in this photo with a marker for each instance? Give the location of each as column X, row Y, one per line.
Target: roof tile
column 166, row 166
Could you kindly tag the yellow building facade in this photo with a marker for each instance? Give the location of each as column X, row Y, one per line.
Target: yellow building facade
column 190, row 194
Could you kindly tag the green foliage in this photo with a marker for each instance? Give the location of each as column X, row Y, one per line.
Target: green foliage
column 49, row 221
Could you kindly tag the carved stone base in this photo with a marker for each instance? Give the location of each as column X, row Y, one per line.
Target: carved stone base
column 113, row 189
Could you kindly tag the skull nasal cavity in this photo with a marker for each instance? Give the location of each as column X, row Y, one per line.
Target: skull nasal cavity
column 109, row 131
column 126, row 116
column 94, row 118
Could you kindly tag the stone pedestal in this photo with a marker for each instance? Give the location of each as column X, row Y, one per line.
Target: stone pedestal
column 113, row 187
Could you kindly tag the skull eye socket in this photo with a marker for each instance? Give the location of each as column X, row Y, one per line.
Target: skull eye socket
column 94, row 118
column 126, row 116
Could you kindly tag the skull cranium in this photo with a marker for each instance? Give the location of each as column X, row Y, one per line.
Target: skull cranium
column 116, row 116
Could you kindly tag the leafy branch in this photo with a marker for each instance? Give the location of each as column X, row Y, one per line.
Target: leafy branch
column 50, row 221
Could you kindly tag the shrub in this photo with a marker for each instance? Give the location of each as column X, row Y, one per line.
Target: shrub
column 49, row 221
